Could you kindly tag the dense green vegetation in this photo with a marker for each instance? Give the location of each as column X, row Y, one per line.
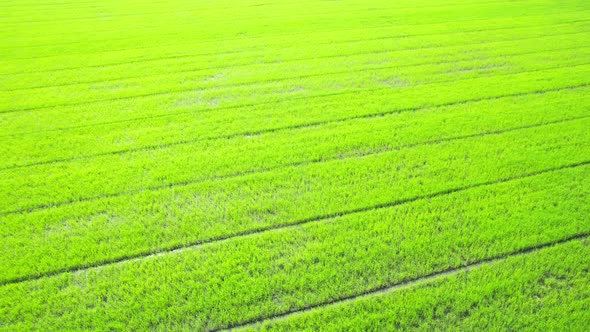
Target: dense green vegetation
column 313, row 164
column 530, row 292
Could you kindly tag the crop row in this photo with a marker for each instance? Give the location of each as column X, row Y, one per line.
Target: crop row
column 262, row 44
column 273, row 23
column 543, row 290
column 188, row 128
column 344, row 137
column 266, row 82
column 126, row 13
column 463, row 45
column 175, row 213
column 94, row 142
column 182, row 102
column 272, row 273
column 66, row 60
column 55, row 183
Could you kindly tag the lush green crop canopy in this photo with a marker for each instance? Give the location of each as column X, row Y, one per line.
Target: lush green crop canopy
column 294, row 165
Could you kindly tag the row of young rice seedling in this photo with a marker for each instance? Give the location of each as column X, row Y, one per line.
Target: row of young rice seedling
column 313, row 77
column 99, row 32
column 196, row 101
column 267, row 48
column 110, row 222
column 39, row 189
column 531, row 291
column 382, row 42
column 275, row 272
column 182, row 165
column 72, row 145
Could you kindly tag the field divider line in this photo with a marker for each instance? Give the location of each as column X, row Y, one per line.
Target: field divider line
column 271, row 130
column 409, row 283
column 279, row 167
column 174, row 114
column 352, row 41
column 327, row 32
column 247, row 233
column 354, row 91
column 233, row 20
column 318, row 44
column 428, row 62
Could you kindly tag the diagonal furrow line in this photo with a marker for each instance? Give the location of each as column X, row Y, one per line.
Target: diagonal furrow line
column 352, row 41
column 288, row 35
column 173, row 114
column 239, row 52
column 258, row 49
column 153, row 94
column 386, row 51
column 405, row 284
column 251, row 232
column 274, row 130
column 278, row 167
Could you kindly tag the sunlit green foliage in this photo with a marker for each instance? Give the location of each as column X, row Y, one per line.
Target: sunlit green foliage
column 201, row 165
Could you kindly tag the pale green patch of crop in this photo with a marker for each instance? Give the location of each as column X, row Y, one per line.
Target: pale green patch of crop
column 170, row 165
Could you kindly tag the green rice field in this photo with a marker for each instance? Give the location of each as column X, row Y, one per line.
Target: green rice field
column 295, row 165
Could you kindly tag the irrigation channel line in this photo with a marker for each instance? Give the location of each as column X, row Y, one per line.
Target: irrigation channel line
column 233, row 20
column 157, row 27
column 406, row 284
column 278, row 167
column 279, row 36
column 258, row 48
column 274, row 93
column 378, row 67
column 268, row 131
column 320, row 44
column 174, row 114
column 221, row 239
column 326, row 74
column 254, row 47
column 473, row 57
